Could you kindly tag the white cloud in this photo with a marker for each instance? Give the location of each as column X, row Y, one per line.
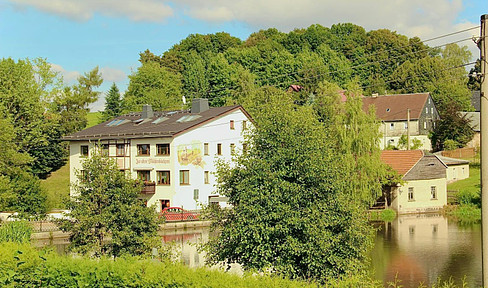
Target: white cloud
column 69, row 77
column 82, row 10
column 112, row 75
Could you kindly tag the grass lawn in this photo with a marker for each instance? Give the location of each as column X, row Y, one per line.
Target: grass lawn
column 57, row 188
column 93, row 118
column 469, row 185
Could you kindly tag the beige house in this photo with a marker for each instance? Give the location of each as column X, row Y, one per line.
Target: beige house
column 394, row 111
column 425, row 186
column 457, row 169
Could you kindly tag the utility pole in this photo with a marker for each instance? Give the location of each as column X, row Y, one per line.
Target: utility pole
column 484, row 149
column 408, row 129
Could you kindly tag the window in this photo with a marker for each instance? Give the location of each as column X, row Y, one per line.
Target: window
column 244, row 125
column 425, row 125
column 410, row 194
column 426, row 110
column 120, row 150
column 219, row 149
column 232, row 148
column 205, row 148
column 206, row 177
column 144, row 175
column 84, row 150
column 392, row 126
column 232, row 127
column 432, row 110
column 162, row 149
column 143, row 150
column 163, row 177
column 184, row 177
column 433, row 192
column 105, row 148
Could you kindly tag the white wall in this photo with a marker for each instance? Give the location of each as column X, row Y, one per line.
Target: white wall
column 422, row 201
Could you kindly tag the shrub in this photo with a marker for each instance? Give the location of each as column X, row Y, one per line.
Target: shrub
column 15, row 231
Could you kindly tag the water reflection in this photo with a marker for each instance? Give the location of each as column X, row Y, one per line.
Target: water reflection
column 423, row 248
column 413, row 249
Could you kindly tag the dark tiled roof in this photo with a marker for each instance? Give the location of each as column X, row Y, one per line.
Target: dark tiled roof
column 394, row 107
column 128, row 126
column 475, row 101
column 401, row 160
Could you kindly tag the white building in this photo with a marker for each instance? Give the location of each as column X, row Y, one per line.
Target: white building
column 173, row 152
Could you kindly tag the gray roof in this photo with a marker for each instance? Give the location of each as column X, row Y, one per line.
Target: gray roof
column 452, row 161
column 162, row 124
column 475, row 119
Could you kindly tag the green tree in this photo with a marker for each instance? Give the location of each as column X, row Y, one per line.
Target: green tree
column 154, row 85
column 113, row 104
column 474, row 82
column 290, row 213
column 451, row 126
column 105, row 203
column 71, row 105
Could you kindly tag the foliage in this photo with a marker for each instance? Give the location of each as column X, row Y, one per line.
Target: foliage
column 113, row 104
column 387, row 215
column 451, row 126
column 105, row 202
column 15, row 231
column 22, row 265
column 474, row 82
column 466, row 213
column 469, row 190
column 154, row 85
column 403, row 143
column 293, row 212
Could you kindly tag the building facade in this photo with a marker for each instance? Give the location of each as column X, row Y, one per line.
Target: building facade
column 394, row 111
column 173, row 152
column 425, row 181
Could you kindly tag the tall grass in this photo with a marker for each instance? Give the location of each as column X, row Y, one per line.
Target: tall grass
column 15, row 231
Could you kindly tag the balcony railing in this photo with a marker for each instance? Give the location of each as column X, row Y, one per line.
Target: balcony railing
column 149, row 188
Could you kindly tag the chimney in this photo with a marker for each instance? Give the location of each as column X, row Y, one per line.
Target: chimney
column 147, row 111
column 199, row 105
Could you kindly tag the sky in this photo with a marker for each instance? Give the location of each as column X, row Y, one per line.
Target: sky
column 77, row 35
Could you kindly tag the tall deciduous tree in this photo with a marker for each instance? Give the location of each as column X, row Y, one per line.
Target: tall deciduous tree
column 105, row 203
column 154, row 85
column 291, row 211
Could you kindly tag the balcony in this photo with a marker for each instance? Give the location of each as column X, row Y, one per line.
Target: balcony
column 149, row 188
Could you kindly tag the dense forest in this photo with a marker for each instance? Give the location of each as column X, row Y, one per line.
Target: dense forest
column 223, row 68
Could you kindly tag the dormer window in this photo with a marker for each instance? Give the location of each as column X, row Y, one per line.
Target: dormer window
column 387, row 109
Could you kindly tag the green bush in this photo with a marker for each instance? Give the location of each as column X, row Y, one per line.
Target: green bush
column 15, row 231
column 23, row 266
column 386, row 215
column 467, row 213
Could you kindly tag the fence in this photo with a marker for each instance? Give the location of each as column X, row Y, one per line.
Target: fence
column 460, row 153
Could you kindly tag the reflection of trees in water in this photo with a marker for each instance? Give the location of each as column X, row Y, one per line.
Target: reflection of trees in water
column 464, row 260
column 385, row 249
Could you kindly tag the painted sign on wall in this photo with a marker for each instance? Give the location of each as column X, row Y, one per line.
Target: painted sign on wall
column 191, row 154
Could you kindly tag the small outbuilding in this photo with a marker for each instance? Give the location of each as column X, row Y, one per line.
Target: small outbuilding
column 425, row 181
column 457, row 169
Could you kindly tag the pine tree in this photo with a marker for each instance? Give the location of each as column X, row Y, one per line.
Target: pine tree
column 112, row 103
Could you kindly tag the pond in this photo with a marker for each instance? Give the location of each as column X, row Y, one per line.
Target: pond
column 413, row 249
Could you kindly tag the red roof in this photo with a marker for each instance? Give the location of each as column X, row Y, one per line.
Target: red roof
column 394, row 107
column 401, row 160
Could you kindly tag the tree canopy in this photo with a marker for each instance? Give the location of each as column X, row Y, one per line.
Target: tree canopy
column 105, row 203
